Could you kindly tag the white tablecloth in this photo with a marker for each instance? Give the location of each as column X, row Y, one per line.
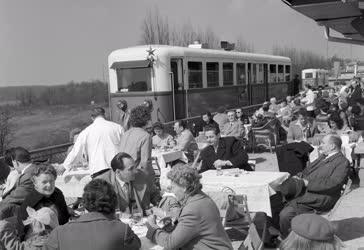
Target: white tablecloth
column 141, row 232
column 258, row 186
column 72, row 183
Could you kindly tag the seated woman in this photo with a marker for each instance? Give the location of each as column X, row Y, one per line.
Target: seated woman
column 98, row 229
column 161, row 138
column 311, row 231
column 337, row 124
column 45, row 194
column 196, row 228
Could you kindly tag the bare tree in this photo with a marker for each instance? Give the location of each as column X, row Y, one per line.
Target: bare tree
column 301, row 59
column 155, row 29
column 5, row 129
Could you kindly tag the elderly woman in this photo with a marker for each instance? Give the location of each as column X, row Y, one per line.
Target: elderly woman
column 137, row 142
column 97, row 229
column 45, row 194
column 161, row 138
column 199, row 224
column 311, row 231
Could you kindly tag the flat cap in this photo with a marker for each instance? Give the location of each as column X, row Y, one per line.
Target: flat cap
column 313, row 227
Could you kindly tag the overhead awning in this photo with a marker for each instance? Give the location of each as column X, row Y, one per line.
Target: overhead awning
column 131, row 64
column 343, row 16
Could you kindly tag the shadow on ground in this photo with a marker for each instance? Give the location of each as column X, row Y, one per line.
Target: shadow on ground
column 349, row 229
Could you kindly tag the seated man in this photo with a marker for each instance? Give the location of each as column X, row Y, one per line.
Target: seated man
column 184, row 139
column 224, row 152
column 133, row 188
column 302, row 128
column 318, row 186
column 233, row 127
column 23, row 186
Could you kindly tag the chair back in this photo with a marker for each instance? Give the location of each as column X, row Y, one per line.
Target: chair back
column 156, row 167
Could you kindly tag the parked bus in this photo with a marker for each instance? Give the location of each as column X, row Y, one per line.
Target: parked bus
column 315, row 77
column 184, row 82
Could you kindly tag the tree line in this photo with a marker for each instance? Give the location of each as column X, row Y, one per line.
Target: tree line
column 156, row 29
column 71, row 93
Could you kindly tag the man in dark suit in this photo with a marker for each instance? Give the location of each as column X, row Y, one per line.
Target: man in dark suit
column 24, row 185
column 20, row 159
column 319, row 186
column 224, row 152
column 134, row 189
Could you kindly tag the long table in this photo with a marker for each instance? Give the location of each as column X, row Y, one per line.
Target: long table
column 258, row 186
column 71, row 183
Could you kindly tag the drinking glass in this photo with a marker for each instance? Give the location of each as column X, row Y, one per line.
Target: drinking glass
column 137, row 217
column 219, row 171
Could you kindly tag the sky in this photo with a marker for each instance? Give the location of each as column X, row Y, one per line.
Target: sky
column 49, row 42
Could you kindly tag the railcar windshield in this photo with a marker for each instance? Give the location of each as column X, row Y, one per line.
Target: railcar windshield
column 134, row 79
column 308, row 75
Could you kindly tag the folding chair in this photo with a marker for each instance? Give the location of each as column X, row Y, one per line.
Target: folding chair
column 345, row 190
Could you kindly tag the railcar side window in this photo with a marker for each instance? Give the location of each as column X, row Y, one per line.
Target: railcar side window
column 228, row 73
column 195, row 75
column 240, row 74
column 288, row 73
column 272, row 73
column 254, row 73
column 134, row 79
column 280, row 73
column 212, row 70
column 260, row 73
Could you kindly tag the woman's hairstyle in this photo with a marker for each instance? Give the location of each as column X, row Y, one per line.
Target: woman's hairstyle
column 44, row 169
column 187, row 177
column 139, row 116
column 208, row 113
column 182, row 123
column 99, row 196
column 295, row 241
column 335, row 117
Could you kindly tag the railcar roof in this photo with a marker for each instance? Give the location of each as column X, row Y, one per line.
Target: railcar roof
column 166, row 50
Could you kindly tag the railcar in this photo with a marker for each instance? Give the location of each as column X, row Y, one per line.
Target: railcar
column 183, row 82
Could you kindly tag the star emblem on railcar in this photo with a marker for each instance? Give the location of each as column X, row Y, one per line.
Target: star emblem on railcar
column 150, row 56
column 150, row 51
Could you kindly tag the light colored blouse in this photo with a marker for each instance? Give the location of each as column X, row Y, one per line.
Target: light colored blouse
column 159, row 142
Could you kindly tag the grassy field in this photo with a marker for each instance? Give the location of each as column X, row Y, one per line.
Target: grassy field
column 46, row 126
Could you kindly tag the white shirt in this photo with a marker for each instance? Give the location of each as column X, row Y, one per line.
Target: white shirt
column 331, row 154
column 100, row 142
column 310, row 98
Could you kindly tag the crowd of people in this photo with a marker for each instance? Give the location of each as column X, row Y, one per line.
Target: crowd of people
column 118, row 155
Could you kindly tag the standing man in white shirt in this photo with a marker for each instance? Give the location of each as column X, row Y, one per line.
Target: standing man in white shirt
column 100, row 142
column 309, row 100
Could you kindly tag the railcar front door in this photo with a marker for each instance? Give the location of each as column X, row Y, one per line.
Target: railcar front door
column 178, row 98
